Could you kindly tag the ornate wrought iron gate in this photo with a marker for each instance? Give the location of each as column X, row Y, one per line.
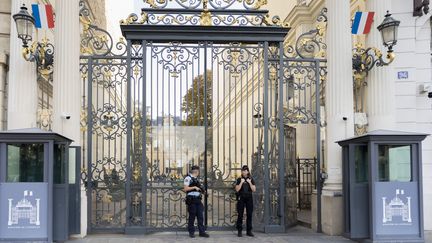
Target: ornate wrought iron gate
column 202, row 85
column 306, row 182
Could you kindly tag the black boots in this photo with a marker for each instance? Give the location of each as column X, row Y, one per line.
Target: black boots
column 249, row 233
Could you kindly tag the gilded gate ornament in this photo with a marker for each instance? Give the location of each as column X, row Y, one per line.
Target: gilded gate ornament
column 223, row 4
column 202, row 13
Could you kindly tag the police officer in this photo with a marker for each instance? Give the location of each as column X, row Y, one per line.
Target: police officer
column 194, row 190
column 245, row 185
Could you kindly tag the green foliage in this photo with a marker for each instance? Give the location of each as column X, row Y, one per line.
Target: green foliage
column 193, row 101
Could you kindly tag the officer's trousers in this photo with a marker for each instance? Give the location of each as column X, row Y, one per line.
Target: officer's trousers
column 242, row 203
column 196, row 210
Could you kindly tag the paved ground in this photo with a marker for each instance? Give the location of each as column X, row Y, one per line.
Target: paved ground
column 428, row 237
column 296, row 235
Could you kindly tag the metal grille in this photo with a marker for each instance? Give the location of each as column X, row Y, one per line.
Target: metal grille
column 306, row 169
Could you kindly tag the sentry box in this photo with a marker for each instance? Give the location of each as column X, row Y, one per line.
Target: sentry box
column 33, row 186
column 382, row 187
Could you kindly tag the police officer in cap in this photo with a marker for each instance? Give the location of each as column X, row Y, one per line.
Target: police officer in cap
column 245, row 186
column 194, row 191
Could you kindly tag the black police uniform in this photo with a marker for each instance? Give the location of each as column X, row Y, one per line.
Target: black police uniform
column 244, row 200
column 194, row 205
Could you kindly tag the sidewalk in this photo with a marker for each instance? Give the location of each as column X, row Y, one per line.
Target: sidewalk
column 295, row 235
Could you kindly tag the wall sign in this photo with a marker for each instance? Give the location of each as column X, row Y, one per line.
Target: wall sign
column 23, row 210
column 403, row 75
column 397, row 211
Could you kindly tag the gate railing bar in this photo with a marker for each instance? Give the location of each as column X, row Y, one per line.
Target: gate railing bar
column 318, row 143
column 266, row 138
column 89, row 144
column 144, row 132
column 129, row 134
column 281, row 151
column 205, row 135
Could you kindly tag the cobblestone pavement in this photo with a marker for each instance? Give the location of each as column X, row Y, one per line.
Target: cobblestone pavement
column 296, row 235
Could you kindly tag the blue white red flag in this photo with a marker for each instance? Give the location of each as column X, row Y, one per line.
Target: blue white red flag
column 362, row 23
column 43, row 15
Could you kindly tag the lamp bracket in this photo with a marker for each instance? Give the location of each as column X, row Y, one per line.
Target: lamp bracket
column 42, row 53
column 365, row 59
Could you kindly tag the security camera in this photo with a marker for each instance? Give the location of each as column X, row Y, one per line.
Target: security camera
column 430, row 95
column 66, row 116
column 345, row 118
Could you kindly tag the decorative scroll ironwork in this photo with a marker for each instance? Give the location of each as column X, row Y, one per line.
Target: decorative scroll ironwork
column 175, row 58
column 302, row 96
column 207, row 4
column 312, row 43
column 235, row 59
column 42, row 53
column 212, row 13
column 206, row 18
column 365, row 59
column 95, row 40
column 109, row 123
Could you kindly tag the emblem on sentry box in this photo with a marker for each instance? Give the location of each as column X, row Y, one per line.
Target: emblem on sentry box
column 397, row 208
column 27, row 208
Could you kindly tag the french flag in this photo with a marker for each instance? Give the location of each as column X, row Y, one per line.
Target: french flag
column 44, row 17
column 362, row 23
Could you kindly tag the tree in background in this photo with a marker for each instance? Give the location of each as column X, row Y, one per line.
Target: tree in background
column 193, row 101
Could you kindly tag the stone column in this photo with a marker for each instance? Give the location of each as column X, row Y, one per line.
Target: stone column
column 67, row 86
column 339, row 110
column 381, row 101
column 23, row 88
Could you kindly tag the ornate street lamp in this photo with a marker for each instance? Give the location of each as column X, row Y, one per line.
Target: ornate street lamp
column 365, row 59
column 389, row 30
column 40, row 52
column 25, row 25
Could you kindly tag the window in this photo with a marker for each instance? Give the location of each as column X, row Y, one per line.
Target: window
column 25, row 163
column 361, row 164
column 59, row 163
column 72, row 164
column 394, row 163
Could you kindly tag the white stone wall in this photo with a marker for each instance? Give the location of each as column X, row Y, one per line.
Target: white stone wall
column 5, row 9
column 413, row 108
column 279, row 7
